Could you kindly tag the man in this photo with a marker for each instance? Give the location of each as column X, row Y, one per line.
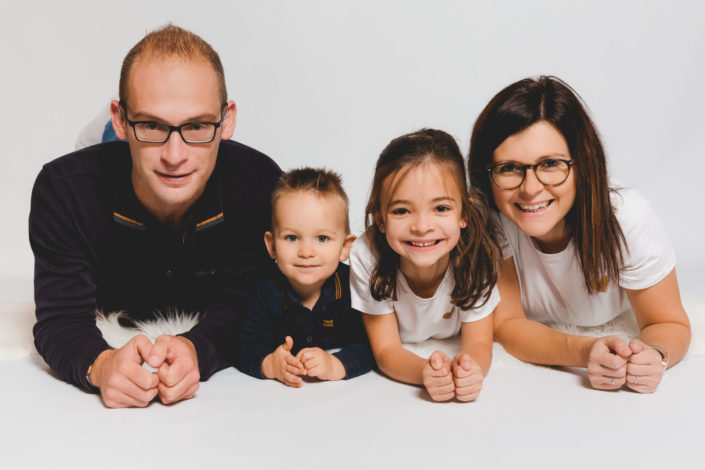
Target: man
column 170, row 220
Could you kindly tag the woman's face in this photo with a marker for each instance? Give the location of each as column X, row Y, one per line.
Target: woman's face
column 539, row 211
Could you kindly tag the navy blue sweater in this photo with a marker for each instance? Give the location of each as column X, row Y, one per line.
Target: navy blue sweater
column 97, row 247
column 274, row 312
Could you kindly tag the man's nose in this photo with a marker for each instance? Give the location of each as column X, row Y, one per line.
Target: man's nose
column 175, row 150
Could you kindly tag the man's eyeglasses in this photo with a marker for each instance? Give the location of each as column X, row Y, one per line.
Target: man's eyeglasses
column 153, row 132
column 549, row 172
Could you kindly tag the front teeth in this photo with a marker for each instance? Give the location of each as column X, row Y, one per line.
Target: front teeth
column 423, row 243
column 534, row 207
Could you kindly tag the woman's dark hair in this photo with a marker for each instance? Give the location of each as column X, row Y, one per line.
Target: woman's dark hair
column 591, row 222
column 475, row 259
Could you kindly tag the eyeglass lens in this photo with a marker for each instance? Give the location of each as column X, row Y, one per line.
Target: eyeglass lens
column 550, row 172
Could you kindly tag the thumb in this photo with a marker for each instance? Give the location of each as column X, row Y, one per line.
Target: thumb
column 618, row 345
column 288, row 343
column 143, row 347
column 466, row 362
column 158, row 353
column 436, row 360
column 636, row 346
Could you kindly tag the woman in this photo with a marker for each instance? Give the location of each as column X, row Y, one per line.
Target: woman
column 576, row 251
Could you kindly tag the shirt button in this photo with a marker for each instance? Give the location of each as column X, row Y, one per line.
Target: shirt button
column 309, row 339
column 169, row 273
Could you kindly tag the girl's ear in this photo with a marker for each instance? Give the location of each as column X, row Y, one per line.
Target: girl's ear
column 463, row 223
column 379, row 221
column 269, row 242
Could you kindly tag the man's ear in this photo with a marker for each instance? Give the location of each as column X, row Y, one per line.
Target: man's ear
column 119, row 122
column 345, row 249
column 269, row 242
column 228, row 126
column 379, row 221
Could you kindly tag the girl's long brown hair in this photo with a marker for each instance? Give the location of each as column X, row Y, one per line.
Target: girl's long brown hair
column 591, row 222
column 475, row 259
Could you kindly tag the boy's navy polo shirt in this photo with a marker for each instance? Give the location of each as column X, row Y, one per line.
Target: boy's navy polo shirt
column 274, row 312
column 97, row 247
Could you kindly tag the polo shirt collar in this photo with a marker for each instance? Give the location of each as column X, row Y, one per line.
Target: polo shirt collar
column 129, row 211
column 331, row 290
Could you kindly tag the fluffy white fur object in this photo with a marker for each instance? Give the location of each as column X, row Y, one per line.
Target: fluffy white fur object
column 16, row 321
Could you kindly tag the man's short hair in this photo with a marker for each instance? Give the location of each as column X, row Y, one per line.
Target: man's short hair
column 171, row 41
column 322, row 182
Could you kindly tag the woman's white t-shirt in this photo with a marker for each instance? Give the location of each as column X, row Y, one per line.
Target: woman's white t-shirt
column 418, row 318
column 552, row 285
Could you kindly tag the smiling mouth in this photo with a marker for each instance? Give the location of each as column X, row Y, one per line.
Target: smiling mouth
column 534, row 207
column 174, row 177
column 423, row 243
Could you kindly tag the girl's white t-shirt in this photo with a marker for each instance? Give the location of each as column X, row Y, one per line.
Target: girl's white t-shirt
column 552, row 285
column 418, row 318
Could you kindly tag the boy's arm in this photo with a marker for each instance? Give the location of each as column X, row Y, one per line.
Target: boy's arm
column 256, row 335
column 356, row 354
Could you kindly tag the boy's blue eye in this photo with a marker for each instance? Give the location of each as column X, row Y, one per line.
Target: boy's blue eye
column 322, row 238
column 291, row 238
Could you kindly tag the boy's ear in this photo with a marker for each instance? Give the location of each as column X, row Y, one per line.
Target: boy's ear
column 345, row 249
column 379, row 221
column 269, row 242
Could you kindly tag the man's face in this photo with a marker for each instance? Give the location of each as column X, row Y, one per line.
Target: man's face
column 169, row 177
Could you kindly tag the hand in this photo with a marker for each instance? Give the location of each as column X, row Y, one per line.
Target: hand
column 607, row 363
column 645, row 367
column 320, row 364
column 437, row 377
column 122, row 380
column 467, row 377
column 177, row 363
column 283, row 366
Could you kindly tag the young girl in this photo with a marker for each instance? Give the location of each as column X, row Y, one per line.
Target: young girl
column 426, row 266
column 577, row 251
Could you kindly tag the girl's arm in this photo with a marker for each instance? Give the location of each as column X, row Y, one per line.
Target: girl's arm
column 531, row 341
column 477, row 342
column 392, row 359
column 663, row 324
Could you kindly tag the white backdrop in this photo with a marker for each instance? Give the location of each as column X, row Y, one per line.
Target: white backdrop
column 330, row 83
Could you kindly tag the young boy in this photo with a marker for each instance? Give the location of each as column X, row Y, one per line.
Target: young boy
column 301, row 309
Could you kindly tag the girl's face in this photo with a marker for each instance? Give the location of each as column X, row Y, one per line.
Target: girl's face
column 422, row 217
column 539, row 211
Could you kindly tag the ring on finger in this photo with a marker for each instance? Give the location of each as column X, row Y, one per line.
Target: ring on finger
column 612, row 379
column 636, row 379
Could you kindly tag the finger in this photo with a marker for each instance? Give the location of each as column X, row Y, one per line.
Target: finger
column 653, row 370
column 606, row 360
column 645, row 387
column 157, row 355
column 467, row 393
column 288, row 343
column 467, row 381
column 143, row 346
column 292, row 380
column 293, row 370
column 606, row 382
column 636, row 346
column 294, row 361
column 617, row 345
column 172, row 394
column 441, row 381
column 648, row 355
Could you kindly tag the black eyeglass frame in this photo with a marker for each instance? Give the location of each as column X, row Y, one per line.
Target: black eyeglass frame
column 490, row 170
column 123, row 111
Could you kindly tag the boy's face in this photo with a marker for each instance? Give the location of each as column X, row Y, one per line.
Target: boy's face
column 308, row 239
